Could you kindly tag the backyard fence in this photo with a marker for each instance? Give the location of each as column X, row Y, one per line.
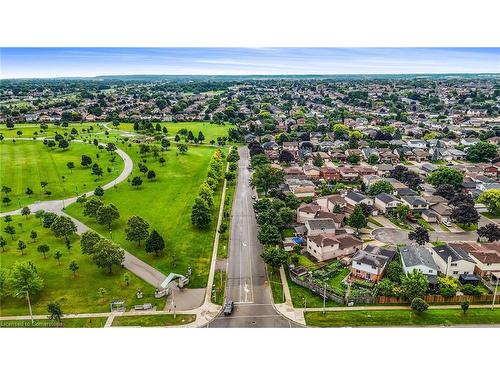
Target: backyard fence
column 436, row 299
column 318, row 289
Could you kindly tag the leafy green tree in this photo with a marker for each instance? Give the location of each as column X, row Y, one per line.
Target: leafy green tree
column 445, row 175
column 86, row 161
column 91, row 207
column 9, row 229
column 318, row 161
column 395, row 272
column 373, row 159
column 57, row 256
column 136, row 182
column 259, row 160
column 200, row 214
column 88, row 240
column 491, row 198
column 107, row 214
column 182, row 148
column 155, row 243
column 99, row 191
column 266, row 178
column 385, row 288
column 107, row 254
column 414, row 285
column 353, row 159
column 419, row 235
column 378, row 187
column 490, row 231
column 357, row 219
column 275, row 257
column 206, row 194
column 127, row 278
column 55, row 311
column 21, row 245
column 63, row 226
column 33, row 235
column 48, row 219
column 481, row 152
column 23, row 279
column 3, row 281
column 73, row 267
column 26, row 211
column 3, row 242
column 448, row 286
column 419, row 305
column 401, row 212
column 43, row 249
column 269, row 235
column 70, row 165
column 465, row 214
column 137, row 229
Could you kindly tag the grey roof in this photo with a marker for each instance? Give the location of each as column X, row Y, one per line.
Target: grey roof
column 386, row 198
column 321, row 224
column 417, row 256
column 355, row 196
column 405, row 191
column 374, row 256
column 415, row 200
column 456, row 254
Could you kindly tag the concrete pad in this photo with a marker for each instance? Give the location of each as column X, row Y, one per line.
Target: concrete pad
column 185, row 299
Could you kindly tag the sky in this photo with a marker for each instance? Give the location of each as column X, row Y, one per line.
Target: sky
column 90, row 62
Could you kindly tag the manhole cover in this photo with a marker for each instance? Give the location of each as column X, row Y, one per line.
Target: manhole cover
column 253, row 322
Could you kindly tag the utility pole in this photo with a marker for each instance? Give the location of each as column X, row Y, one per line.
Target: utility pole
column 495, row 294
column 324, row 297
column 29, row 305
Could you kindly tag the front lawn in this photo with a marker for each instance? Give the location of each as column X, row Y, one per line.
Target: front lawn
column 490, row 215
column 303, row 297
column 276, row 285
column 165, row 204
column 153, row 320
column 393, row 318
column 77, row 294
column 466, row 227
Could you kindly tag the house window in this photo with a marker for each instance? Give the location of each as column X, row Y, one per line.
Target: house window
column 455, row 272
column 453, row 264
column 358, row 271
column 358, row 263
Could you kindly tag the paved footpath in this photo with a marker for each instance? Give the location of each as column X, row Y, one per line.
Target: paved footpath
column 132, row 263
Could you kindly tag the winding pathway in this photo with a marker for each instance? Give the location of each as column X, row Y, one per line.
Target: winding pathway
column 132, row 263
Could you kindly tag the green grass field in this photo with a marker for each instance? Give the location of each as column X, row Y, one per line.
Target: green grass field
column 153, row 320
column 166, row 205
column 76, row 294
column 210, row 131
column 26, row 163
column 46, row 323
column 34, row 130
column 388, row 318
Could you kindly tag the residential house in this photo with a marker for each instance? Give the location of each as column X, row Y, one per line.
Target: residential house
column 415, row 202
column 370, row 263
column 452, row 260
column 326, row 246
column 415, row 257
column 485, row 255
column 385, row 203
column 353, row 198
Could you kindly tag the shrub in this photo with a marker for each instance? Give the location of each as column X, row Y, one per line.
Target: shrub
column 419, row 305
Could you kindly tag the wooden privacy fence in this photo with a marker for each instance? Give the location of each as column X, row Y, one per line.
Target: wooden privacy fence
column 435, row 299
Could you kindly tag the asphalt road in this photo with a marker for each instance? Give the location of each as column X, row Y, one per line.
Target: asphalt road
column 400, row 236
column 246, row 271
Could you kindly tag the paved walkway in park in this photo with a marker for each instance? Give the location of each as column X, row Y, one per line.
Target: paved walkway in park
column 132, row 263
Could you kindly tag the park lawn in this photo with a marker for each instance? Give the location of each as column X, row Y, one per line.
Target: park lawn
column 47, row 323
column 166, row 205
column 153, row 320
column 25, row 163
column 223, row 249
column 75, row 294
column 392, row 318
column 34, row 130
column 210, row 131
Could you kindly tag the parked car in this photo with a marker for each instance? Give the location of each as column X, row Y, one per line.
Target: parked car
column 447, row 223
column 228, row 308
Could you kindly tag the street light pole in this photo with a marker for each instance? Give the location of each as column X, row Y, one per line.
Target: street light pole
column 495, row 295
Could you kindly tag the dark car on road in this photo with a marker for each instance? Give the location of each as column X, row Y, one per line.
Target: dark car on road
column 228, row 308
